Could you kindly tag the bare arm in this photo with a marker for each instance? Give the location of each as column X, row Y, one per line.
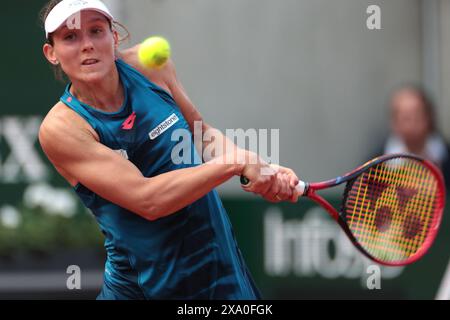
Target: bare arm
column 73, row 149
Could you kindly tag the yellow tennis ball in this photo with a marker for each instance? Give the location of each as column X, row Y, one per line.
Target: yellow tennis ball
column 154, row 52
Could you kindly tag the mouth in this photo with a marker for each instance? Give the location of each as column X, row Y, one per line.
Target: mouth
column 89, row 62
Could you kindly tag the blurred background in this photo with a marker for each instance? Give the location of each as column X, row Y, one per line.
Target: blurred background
column 311, row 68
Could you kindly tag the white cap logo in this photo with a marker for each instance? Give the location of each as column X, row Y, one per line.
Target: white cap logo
column 78, row 3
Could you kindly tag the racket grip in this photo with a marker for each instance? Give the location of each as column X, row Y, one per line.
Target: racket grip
column 244, row 180
column 300, row 187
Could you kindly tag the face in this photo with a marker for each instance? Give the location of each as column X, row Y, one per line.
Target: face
column 410, row 120
column 85, row 54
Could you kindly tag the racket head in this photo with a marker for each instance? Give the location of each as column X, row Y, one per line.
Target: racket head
column 392, row 208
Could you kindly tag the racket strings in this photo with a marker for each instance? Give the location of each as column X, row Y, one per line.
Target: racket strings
column 390, row 208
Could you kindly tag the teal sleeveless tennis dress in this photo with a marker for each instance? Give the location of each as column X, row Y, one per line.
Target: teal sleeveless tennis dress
column 191, row 254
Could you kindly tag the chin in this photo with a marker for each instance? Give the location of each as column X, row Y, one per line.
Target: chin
column 93, row 77
column 93, row 74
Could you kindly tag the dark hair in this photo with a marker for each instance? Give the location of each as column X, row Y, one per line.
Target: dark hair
column 45, row 11
column 427, row 102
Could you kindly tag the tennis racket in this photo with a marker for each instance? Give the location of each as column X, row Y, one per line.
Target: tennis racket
column 392, row 206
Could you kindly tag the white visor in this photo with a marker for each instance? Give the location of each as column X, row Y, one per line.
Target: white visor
column 67, row 8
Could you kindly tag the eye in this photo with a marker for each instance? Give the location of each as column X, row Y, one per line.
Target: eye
column 69, row 36
column 97, row 30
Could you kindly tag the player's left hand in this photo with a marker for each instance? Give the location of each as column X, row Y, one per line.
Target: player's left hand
column 283, row 186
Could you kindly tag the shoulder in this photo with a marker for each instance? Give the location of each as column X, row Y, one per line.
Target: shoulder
column 61, row 126
column 163, row 77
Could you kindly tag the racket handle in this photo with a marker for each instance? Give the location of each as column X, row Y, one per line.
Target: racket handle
column 300, row 187
column 244, row 180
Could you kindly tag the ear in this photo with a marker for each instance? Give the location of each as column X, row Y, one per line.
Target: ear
column 49, row 53
column 116, row 39
column 116, row 44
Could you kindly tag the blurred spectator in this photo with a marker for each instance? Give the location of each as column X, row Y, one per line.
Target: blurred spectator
column 413, row 128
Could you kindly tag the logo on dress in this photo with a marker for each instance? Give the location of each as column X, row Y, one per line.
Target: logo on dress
column 129, row 123
column 163, row 126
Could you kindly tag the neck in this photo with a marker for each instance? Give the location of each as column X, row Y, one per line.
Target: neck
column 106, row 95
column 417, row 147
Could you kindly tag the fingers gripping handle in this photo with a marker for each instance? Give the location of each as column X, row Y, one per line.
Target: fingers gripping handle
column 301, row 187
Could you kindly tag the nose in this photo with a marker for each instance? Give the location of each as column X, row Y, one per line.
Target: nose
column 87, row 44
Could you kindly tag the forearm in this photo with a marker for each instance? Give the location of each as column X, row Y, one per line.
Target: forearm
column 169, row 192
column 216, row 145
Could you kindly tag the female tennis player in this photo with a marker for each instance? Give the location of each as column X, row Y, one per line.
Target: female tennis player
column 167, row 233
